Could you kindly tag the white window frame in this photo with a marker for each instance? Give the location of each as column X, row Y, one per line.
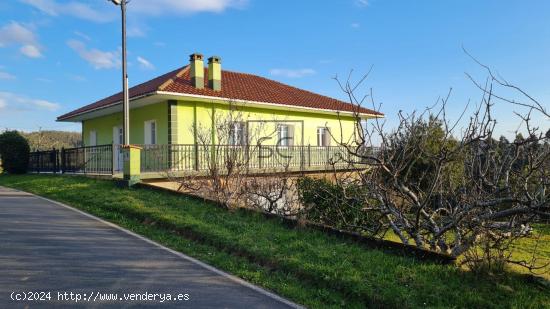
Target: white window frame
column 364, row 130
column 323, row 136
column 237, row 134
column 119, row 134
column 93, row 138
column 285, row 135
column 150, row 135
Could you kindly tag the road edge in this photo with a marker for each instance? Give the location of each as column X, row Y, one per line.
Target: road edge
column 174, row 252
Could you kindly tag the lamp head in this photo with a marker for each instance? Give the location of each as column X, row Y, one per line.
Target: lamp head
column 117, row 2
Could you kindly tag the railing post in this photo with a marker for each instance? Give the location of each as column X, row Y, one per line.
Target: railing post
column 260, row 165
column 53, row 161
column 309, row 154
column 63, row 160
column 196, row 146
column 113, row 157
column 302, row 164
column 132, row 165
column 247, row 156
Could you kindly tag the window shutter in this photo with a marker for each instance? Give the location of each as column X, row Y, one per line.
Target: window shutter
column 290, row 135
column 93, row 138
column 153, row 132
column 147, row 133
column 326, row 137
column 243, row 134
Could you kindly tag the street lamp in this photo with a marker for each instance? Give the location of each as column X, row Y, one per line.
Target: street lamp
column 125, row 105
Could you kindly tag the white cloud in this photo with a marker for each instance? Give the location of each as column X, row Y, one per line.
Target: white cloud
column 142, row 7
column 135, row 32
column 44, row 80
column 30, row 51
column 355, row 25
column 74, row 9
column 292, row 73
column 97, row 58
column 15, row 101
column 159, row 7
column 15, row 33
column 145, row 64
column 82, row 35
column 6, row 76
column 77, row 78
column 362, row 3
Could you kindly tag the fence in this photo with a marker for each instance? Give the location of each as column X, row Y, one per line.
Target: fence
column 107, row 159
column 80, row 160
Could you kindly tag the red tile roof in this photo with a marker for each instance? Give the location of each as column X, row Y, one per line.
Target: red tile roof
column 237, row 86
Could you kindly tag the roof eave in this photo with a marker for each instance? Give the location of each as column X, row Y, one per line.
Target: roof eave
column 70, row 118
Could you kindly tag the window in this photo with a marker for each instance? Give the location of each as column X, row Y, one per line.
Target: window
column 323, row 136
column 93, row 138
column 237, row 133
column 364, row 129
column 118, row 135
column 150, row 136
column 285, row 134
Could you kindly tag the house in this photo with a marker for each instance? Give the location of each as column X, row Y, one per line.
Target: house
column 175, row 107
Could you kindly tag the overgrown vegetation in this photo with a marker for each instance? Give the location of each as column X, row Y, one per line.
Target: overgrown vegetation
column 307, row 266
column 333, row 204
column 14, row 152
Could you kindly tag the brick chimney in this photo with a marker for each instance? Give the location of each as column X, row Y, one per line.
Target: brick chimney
column 215, row 73
column 197, row 70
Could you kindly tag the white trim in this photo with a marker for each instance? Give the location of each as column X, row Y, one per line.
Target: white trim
column 179, row 254
column 258, row 103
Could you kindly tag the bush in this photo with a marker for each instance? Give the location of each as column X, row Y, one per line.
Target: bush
column 335, row 205
column 14, row 152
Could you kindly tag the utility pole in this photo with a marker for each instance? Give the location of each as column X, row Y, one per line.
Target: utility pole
column 126, row 100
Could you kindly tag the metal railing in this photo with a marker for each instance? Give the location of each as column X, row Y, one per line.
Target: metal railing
column 107, row 159
column 188, row 157
column 79, row 160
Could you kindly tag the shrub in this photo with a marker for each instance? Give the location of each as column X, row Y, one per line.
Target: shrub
column 14, row 152
column 339, row 206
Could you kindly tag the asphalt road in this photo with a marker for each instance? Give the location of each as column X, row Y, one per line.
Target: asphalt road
column 48, row 247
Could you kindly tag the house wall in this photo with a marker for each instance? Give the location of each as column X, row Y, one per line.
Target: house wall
column 104, row 125
column 262, row 122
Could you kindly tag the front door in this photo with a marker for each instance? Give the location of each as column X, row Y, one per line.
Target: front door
column 118, row 140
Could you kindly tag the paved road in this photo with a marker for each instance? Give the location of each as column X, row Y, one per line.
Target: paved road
column 45, row 246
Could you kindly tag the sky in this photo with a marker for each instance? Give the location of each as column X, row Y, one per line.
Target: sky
column 58, row 55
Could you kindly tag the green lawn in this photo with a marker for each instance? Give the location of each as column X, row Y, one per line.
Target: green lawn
column 306, row 266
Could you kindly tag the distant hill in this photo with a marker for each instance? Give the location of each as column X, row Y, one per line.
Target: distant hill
column 45, row 140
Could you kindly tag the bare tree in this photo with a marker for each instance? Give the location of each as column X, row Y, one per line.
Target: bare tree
column 225, row 155
column 450, row 190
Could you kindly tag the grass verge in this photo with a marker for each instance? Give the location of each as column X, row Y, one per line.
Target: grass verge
column 306, row 266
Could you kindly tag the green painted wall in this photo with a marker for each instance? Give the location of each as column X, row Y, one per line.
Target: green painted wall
column 262, row 122
column 104, row 125
column 342, row 127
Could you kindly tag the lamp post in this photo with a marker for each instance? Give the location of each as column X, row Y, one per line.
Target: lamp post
column 126, row 100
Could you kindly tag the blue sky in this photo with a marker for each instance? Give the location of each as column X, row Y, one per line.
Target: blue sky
column 57, row 55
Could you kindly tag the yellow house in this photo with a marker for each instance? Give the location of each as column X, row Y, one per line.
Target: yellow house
column 194, row 104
